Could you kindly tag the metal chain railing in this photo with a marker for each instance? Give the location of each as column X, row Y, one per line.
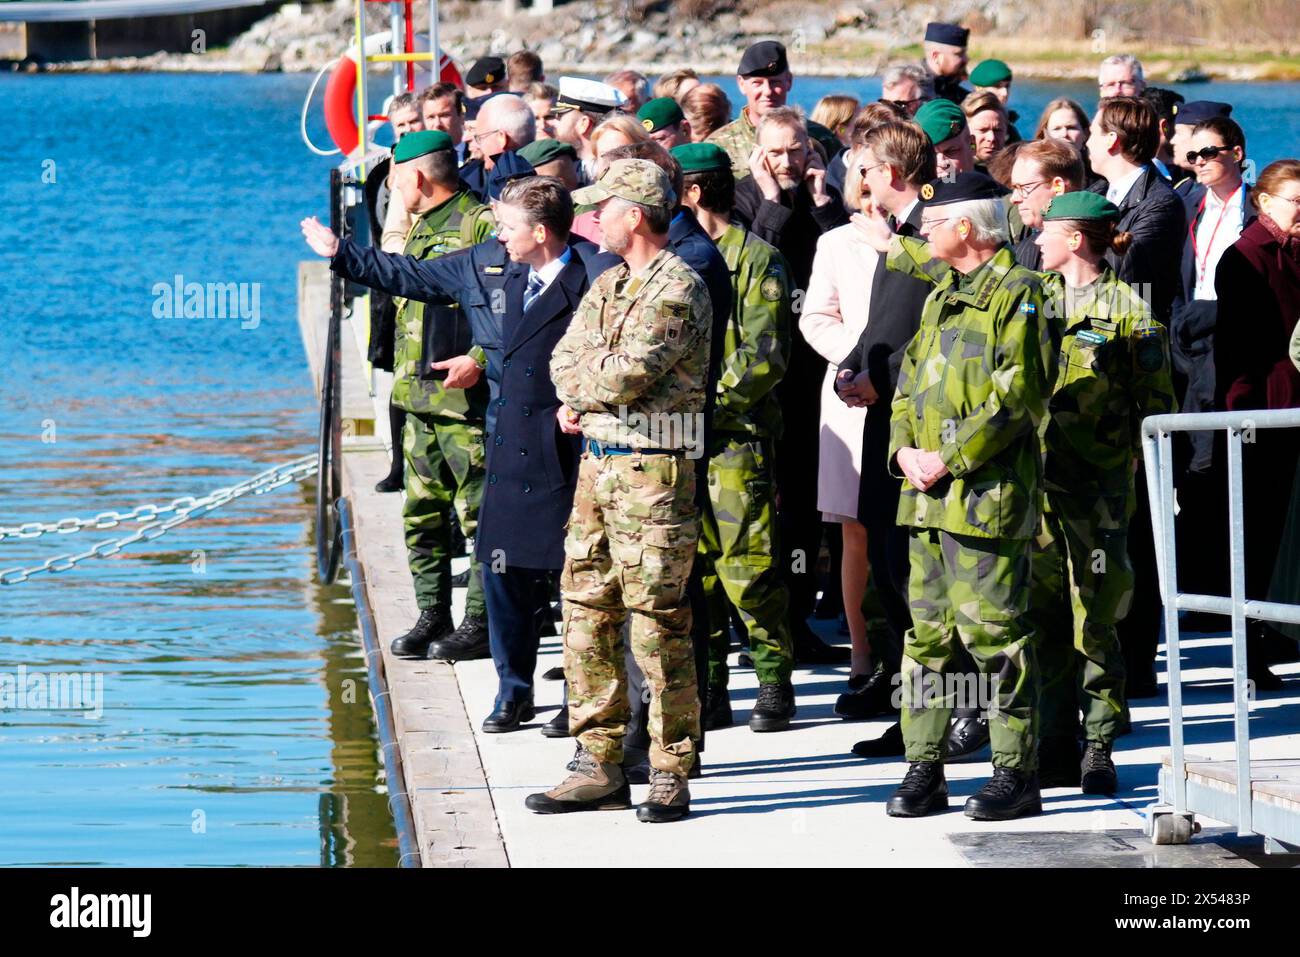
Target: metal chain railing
column 181, row 510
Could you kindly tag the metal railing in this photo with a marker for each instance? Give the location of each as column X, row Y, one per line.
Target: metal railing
column 1157, row 435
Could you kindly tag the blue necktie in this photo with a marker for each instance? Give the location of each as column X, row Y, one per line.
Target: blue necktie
column 533, row 291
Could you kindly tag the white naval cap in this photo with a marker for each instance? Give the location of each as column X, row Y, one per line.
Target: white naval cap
column 591, row 95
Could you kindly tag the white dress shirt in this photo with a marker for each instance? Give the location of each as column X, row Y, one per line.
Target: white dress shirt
column 548, row 272
column 1220, row 226
column 1119, row 189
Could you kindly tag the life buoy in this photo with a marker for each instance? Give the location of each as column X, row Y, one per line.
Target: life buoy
column 341, row 89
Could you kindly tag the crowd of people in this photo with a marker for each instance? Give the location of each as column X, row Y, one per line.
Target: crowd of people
column 685, row 371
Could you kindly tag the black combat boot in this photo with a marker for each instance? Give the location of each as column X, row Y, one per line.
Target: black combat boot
column 434, row 624
column 869, row 696
column 1008, row 794
column 1058, row 761
column 924, row 789
column 967, row 736
column 717, row 710
column 1097, row 770
column 810, row 650
column 469, row 642
column 774, row 707
column 669, row 799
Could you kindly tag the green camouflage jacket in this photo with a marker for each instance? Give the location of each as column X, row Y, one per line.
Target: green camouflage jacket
column 459, row 222
column 973, row 387
column 738, row 138
column 634, row 361
column 757, row 347
column 1113, row 370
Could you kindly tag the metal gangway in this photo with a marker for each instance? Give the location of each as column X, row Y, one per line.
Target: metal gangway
column 1261, row 797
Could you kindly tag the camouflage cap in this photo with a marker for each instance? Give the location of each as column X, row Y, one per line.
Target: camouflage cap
column 635, row 180
column 660, row 112
column 941, row 120
column 420, row 142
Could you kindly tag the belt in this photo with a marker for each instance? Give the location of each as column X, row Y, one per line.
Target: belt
column 600, row 450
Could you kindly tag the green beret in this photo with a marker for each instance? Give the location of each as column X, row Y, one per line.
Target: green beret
column 701, row 157
column 1081, row 204
column 941, row 120
column 990, row 73
column 545, row 151
column 660, row 112
column 420, row 142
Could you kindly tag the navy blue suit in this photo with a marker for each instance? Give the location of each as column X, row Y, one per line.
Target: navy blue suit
column 531, row 466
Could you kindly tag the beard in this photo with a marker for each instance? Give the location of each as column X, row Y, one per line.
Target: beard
column 617, row 243
column 787, row 180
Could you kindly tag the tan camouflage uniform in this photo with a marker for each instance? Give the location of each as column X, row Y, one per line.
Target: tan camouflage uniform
column 738, row 138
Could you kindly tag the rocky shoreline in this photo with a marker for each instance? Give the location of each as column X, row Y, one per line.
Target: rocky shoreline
column 596, row 36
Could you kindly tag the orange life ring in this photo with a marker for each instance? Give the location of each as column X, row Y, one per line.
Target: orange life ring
column 341, row 94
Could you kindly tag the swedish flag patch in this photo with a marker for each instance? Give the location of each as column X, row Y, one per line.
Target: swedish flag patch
column 1028, row 308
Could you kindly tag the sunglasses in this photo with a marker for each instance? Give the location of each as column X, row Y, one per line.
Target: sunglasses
column 1206, row 153
column 905, row 105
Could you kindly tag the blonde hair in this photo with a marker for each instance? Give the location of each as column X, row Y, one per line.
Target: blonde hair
column 619, row 122
column 853, row 181
column 835, row 112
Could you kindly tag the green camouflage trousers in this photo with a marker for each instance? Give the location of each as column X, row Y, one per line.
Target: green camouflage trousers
column 973, row 591
column 628, row 551
column 1082, row 587
column 738, row 556
column 444, row 470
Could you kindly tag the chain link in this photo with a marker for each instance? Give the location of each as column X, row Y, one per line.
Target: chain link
column 180, row 510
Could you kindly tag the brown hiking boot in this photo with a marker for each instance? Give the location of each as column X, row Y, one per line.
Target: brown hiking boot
column 593, row 786
column 669, row 800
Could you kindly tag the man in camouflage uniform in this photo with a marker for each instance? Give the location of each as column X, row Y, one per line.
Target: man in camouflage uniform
column 1113, row 371
column 443, row 439
column 738, row 546
column 963, row 433
column 631, row 372
column 764, row 78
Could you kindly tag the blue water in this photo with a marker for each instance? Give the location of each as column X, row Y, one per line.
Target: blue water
column 226, row 736
column 225, row 739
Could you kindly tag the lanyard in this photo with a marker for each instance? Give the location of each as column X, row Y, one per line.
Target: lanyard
column 1203, row 261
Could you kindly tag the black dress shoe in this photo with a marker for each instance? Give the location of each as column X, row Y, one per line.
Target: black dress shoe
column 717, row 710
column 810, row 650
column 391, row 483
column 433, row 625
column 1097, row 770
column 774, row 707
column 508, row 717
column 966, row 737
column 1262, row 678
column 1008, row 794
column 557, row 727
column 469, row 642
column 1142, row 685
column 460, row 579
column 869, row 696
column 923, row 790
column 553, row 674
column 888, row 745
column 744, row 660
column 1058, row 761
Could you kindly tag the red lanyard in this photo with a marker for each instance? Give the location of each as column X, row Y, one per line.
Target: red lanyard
column 1202, row 262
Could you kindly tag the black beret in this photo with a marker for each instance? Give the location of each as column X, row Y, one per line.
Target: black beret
column 486, row 71
column 962, row 187
column 948, row 33
column 765, row 58
column 1198, row 111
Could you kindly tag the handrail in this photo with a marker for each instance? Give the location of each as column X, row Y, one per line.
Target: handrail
column 1157, row 447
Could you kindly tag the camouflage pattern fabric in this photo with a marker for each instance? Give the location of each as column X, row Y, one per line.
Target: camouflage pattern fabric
column 738, row 556
column 756, row 350
column 1114, row 370
column 974, row 591
column 444, row 471
column 629, row 549
column 634, row 360
column 636, row 344
column 973, row 387
column 459, row 222
column 738, row 138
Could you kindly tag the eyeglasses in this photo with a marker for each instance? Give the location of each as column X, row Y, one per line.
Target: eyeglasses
column 905, row 105
column 928, row 224
column 1205, row 153
column 864, row 170
column 478, row 137
column 1024, row 189
column 1286, row 199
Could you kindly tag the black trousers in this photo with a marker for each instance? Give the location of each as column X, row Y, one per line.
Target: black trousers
column 1139, row 631
column 886, row 539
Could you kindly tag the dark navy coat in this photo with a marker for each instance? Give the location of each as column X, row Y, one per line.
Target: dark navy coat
column 531, row 466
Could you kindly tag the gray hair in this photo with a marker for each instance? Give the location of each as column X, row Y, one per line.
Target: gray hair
column 403, row 101
column 790, row 117
column 1124, row 59
column 909, row 71
column 988, row 219
column 509, row 113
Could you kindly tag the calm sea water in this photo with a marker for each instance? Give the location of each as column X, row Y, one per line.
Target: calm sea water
column 235, row 727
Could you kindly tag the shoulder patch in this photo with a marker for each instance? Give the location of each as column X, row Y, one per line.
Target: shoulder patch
column 771, row 287
column 1028, row 308
column 1150, row 351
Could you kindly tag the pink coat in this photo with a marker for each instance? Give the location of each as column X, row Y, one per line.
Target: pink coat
column 833, row 317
